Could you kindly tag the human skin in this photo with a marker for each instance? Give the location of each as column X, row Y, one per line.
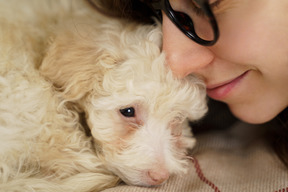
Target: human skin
column 248, row 67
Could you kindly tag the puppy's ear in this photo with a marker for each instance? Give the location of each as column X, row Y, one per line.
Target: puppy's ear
column 75, row 65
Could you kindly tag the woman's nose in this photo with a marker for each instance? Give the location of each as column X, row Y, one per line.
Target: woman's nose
column 184, row 56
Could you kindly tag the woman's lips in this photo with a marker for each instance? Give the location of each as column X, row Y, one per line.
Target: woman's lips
column 221, row 90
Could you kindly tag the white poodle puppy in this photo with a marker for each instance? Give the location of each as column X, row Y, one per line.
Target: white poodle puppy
column 59, row 59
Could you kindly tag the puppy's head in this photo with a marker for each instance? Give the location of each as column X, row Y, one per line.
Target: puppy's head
column 134, row 105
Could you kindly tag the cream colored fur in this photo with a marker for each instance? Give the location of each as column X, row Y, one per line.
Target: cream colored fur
column 59, row 59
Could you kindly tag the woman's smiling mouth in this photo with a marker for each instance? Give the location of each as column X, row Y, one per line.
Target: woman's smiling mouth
column 221, row 90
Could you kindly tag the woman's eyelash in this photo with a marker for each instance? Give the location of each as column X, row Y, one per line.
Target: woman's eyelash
column 198, row 11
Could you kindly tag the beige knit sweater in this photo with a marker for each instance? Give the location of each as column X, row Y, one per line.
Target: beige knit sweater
column 234, row 160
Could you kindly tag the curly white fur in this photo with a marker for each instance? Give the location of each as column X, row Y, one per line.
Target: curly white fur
column 59, row 59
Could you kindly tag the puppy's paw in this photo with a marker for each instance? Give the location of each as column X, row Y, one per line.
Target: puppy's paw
column 189, row 142
column 187, row 136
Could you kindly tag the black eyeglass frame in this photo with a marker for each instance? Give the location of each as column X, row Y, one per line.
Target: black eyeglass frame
column 204, row 5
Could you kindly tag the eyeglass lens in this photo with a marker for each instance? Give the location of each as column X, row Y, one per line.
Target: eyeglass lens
column 190, row 15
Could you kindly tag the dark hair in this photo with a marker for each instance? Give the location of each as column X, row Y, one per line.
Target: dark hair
column 279, row 136
column 140, row 11
column 136, row 10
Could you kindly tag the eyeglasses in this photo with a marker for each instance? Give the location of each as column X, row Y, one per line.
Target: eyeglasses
column 195, row 20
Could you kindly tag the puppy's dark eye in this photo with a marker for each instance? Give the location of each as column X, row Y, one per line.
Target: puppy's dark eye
column 128, row 112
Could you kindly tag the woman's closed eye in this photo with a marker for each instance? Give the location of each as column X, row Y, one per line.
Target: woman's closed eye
column 214, row 4
column 192, row 7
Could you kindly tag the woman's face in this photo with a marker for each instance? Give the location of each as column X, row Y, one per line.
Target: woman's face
column 248, row 67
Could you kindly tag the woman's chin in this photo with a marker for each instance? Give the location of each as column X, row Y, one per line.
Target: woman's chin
column 254, row 115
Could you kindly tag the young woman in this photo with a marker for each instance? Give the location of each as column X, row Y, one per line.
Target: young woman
column 238, row 47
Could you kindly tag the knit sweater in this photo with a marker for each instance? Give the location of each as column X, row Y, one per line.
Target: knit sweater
column 237, row 159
